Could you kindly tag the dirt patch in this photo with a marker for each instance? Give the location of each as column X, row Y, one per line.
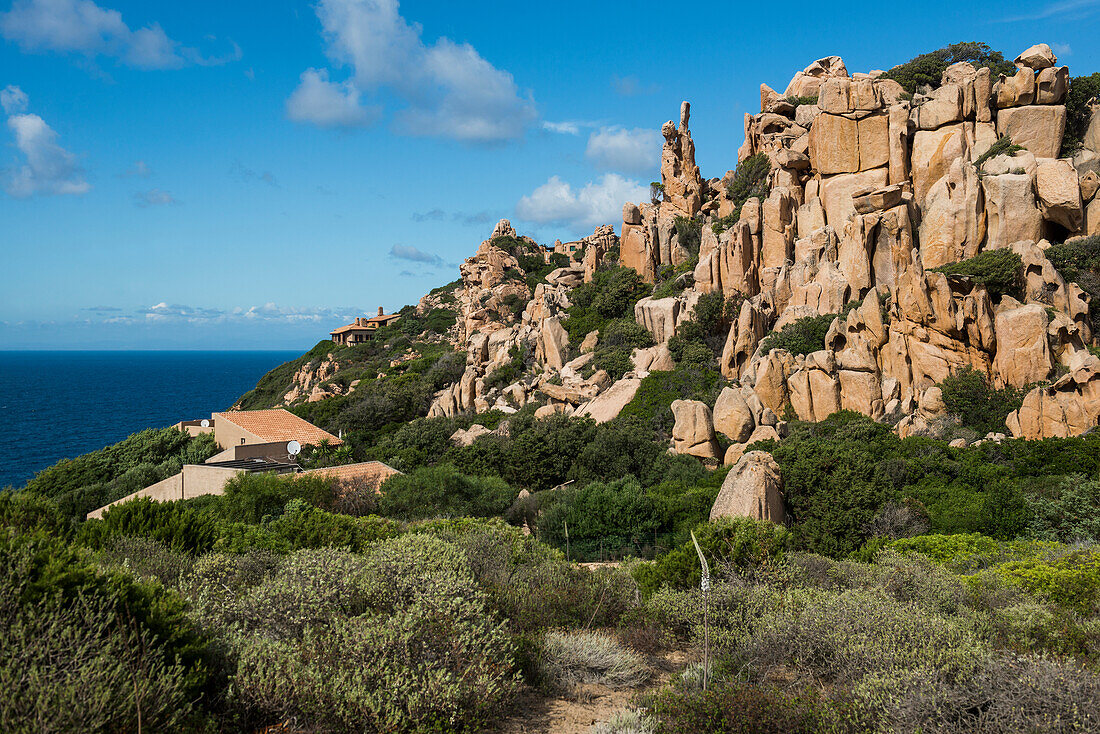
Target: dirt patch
column 587, row 705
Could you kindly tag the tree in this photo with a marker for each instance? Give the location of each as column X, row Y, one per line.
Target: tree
column 443, row 491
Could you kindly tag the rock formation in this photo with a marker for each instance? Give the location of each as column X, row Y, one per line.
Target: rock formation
column 753, row 488
column 869, row 190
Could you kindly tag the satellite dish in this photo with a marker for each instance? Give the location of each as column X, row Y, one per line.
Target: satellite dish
column 205, row 423
column 293, row 448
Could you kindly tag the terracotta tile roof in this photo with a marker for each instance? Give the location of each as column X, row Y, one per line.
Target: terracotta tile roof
column 384, row 318
column 349, row 327
column 372, row 472
column 277, row 425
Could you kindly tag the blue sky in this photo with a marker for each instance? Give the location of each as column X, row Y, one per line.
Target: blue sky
column 252, row 174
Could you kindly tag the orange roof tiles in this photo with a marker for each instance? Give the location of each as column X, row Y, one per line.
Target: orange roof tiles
column 373, row 472
column 277, row 425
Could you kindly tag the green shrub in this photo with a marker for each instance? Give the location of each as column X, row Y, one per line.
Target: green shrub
column 809, row 99
column 1079, row 261
column 998, row 270
column 84, row 650
column 602, row 518
column 730, row 707
column 611, row 295
column 734, row 544
column 1071, row 580
column 529, row 583
column 618, row 339
column 1065, row 510
column 181, row 526
column 978, row 405
column 832, row 480
column 1002, row 146
column 802, row 336
column 98, row 478
column 510, row 371
column 26, row 512
column 1078, row 115
column 400, row 640
column 688, row 233
column 652, row 403
column 249, row 498
column 927, row 69
column 750, row 179
column 443, row 490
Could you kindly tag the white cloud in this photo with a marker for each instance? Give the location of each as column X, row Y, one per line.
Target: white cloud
column 1062, row 49
column 47, row 168
column 13, row 100
column 81, row 26
column 328, row 104
column 414, row 254
column 268, row 312
column 447, row 88
column 630, row 151
column 598, row 202
column 153, row 197
column 566, row 127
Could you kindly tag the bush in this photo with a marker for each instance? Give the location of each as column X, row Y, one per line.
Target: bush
column 180, row 526
column 802, row 336
column 739, row 708
column 618, row 339
column 1066, row 510
column 1002, row 146
column 611, row 295
column 25, row 512
column 998, row 270
column 689, row 233
column 405, row 642
column 531, row 584
column 1079, row 261
column 968, row 396
column 1078, row 115
column 442, row 490
column 927, row 69
column 602, row 518
column 739, row 545
column 510, row 371
column 249, row 498
column 750, row 179
column 569, row 659
column 652, row 403
column 85, row 650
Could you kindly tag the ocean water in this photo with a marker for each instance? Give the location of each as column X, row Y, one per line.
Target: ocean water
column 56, row 405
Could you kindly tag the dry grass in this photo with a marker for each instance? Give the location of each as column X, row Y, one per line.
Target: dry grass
column 575, row 658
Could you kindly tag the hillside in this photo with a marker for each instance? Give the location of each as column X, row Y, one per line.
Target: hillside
column 858, row 372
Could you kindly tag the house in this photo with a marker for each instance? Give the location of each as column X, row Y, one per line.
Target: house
column 273, row 427
column 196, row 480
column 254, row 441
column 362, row 330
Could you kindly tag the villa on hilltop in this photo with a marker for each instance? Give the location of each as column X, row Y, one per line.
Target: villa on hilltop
column 362, row 330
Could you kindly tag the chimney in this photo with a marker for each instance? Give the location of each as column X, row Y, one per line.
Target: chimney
column 380, row 311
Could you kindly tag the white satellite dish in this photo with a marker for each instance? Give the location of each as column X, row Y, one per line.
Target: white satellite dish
column 293, row 448
column 205, row 423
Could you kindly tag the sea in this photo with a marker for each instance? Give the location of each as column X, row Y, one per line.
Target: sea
column 59, row 404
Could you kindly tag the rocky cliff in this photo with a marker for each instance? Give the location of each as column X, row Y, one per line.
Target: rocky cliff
column 854, row 197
